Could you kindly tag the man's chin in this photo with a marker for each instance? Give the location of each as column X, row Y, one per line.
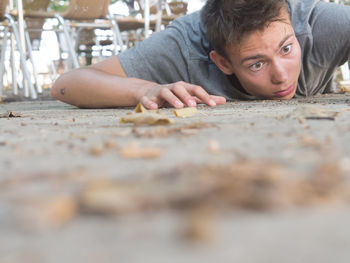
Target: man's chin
column 287, row 97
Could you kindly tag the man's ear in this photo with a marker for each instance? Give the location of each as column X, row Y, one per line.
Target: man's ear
column 223, row 64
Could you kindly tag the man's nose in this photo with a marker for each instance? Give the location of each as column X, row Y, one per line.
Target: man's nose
column 279, row 73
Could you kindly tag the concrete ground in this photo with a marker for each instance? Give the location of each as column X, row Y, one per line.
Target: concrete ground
column 52, row 152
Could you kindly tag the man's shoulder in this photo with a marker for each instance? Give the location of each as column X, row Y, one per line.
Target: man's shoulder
column 193, row 31
column 188, row 23
column 300, row 12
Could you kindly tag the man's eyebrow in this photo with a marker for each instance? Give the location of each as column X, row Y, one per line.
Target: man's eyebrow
column 284, row 40
column 258, row 56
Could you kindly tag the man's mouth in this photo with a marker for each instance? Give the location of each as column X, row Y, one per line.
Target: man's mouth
column 285, row 92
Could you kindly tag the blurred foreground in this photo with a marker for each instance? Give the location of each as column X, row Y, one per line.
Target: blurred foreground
column 244, row 182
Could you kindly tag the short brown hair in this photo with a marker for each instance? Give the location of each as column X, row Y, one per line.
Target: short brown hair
column 227, row 21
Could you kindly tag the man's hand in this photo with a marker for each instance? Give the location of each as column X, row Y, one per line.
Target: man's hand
column 178, row 95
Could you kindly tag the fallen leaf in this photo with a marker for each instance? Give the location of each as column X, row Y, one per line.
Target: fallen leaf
column 122, row 132
column 46, row 211
column 163, row 131
column 60, row 210
column 153, row 132
column 241, row 184
column 108, row 197
column 147, row 118
column 187, row 131
column 10, row 114
column 134, row 151
column 345, row 89
column 199, row 225
column 185, row 112
column 140, row 108
column 96, row 150
column 310, row 141
column 110, row 145
column 213, row 146
column 312, row 112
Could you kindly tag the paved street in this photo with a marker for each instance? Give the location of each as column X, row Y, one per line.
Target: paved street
column 78, row 186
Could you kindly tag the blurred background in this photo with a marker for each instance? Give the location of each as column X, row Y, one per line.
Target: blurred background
column 40, row 39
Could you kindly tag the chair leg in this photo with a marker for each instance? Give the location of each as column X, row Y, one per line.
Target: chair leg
column 159, row 15
column 147, row 17
column 13, row 67
column 22, row 58
column 30, row 53
column 71, row 51
column 117, row 37
column 345, row 71
column 2, row 60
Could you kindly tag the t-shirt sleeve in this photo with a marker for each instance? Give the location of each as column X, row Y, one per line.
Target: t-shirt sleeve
column 162, row 58
column 331, row 33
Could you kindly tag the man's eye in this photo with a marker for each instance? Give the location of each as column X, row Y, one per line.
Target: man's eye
column 256, row 66
column 286, row 49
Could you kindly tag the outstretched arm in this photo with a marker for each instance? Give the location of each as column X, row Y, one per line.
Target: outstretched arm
column 102, row 85
column 105, row 84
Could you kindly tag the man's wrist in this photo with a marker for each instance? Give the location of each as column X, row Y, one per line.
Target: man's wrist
column 142, row 89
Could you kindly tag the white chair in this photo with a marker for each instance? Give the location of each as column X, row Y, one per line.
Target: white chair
column 345, row 71
column 92, row 14
column 10, row 33
column 345, row 74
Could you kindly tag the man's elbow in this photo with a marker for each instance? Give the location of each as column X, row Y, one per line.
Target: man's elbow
column 54, row 90
column 58, row 89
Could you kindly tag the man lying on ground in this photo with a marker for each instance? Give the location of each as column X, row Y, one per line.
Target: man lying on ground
column 231, row 49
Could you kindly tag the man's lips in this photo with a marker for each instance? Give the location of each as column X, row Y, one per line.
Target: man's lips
column 285, row 92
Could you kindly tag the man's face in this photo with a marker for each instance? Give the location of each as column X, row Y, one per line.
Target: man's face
column 267, row 63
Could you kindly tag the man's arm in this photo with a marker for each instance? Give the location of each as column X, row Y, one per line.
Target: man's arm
column 102, row 85
column 105, row 84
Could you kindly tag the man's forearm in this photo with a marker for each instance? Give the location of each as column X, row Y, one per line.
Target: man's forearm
column 91, row 88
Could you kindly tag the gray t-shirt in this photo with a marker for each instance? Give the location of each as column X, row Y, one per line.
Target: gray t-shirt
column 180, row 52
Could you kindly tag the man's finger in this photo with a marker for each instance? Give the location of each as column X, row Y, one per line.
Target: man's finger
column 167, row 95
column 218, row 99
column 181, row 92
column 148, row 103
column 200, row 93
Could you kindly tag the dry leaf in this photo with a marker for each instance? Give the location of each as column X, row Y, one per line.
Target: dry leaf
column 110, row 145
column 61, row 209
column 312, row 112
column 161, row 131
column 345, row 89
column 122, row 132
column 185, row 112
column 187, row 131
column 309, row 141
column 243, row 184
column 213, row 146
column 133, row 151
column 345, row 86
column 96, row 150
column 10, row 114
column 107, row 197
column 199, row 226
column 146, row 118
column 43, row 211
column 140, row 108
